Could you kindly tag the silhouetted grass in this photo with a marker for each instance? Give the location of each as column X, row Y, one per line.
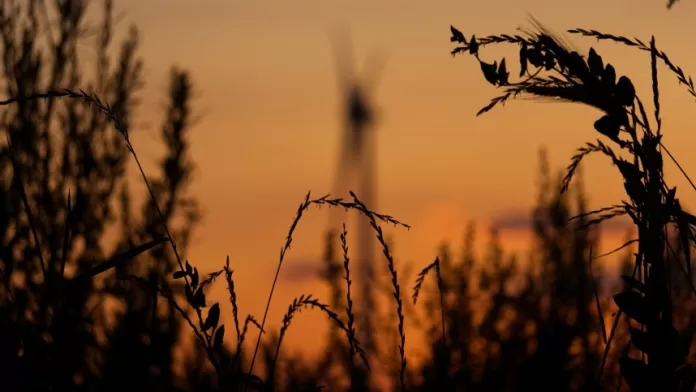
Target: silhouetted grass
column 349, row 300
column 208, row 330
column 550, row 69
column 419, row 282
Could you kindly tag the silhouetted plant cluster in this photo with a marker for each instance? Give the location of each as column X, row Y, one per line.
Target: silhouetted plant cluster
column 75, row 315
column 550, row 69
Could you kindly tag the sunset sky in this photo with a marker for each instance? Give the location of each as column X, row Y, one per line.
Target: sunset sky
column 268, row 94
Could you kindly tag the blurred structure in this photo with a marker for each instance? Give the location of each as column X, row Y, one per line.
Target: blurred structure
column 356, row 171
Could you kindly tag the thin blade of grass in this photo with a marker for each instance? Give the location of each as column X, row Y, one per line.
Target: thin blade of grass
column 119, row 258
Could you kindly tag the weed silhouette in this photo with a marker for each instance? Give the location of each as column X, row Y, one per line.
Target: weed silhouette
column 76, row 316
column 550, row 69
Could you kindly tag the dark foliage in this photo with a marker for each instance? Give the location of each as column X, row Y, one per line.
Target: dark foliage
column 550, row 69
column 76, row 315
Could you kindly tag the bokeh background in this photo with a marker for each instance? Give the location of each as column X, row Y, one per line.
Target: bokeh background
column 271, row 120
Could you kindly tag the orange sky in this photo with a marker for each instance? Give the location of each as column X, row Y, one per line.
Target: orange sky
column 268, row 92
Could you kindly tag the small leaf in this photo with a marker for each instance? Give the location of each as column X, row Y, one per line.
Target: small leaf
column 490, row 72
column 473, row 45
column 178, row 274
column 213, row 317
column 609, row 127
column 189, row 270
column 457, row 36
column 632, row 179
column 609, row 76
column 503, row 74
column 634, row 305
column 594, row 61
column 199, row 299
column 218, row 338
column 625, row 92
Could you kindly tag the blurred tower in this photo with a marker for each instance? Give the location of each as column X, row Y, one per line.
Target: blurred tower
column 356, row 171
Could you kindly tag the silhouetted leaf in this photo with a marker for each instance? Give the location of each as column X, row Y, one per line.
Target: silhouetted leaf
column 218, row 338
column 608, row 126
column 457, row 36
column 634, row 305
column 490, row 72
column 632, row 179
column 199, row 299
column 594, row 61
column 213, row 317
column 189, row 295
column 189, row 269
column 625, row 92
column 609, row 76
column 473, row 45
column 502, row 74
column 178, row 274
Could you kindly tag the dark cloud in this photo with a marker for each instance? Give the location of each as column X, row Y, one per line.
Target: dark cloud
column 523, row 220
column 513, row 220
column 300, row 270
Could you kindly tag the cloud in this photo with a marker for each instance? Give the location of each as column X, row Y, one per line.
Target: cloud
column 513, row 220
column 522, row 219
column 300, row 270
